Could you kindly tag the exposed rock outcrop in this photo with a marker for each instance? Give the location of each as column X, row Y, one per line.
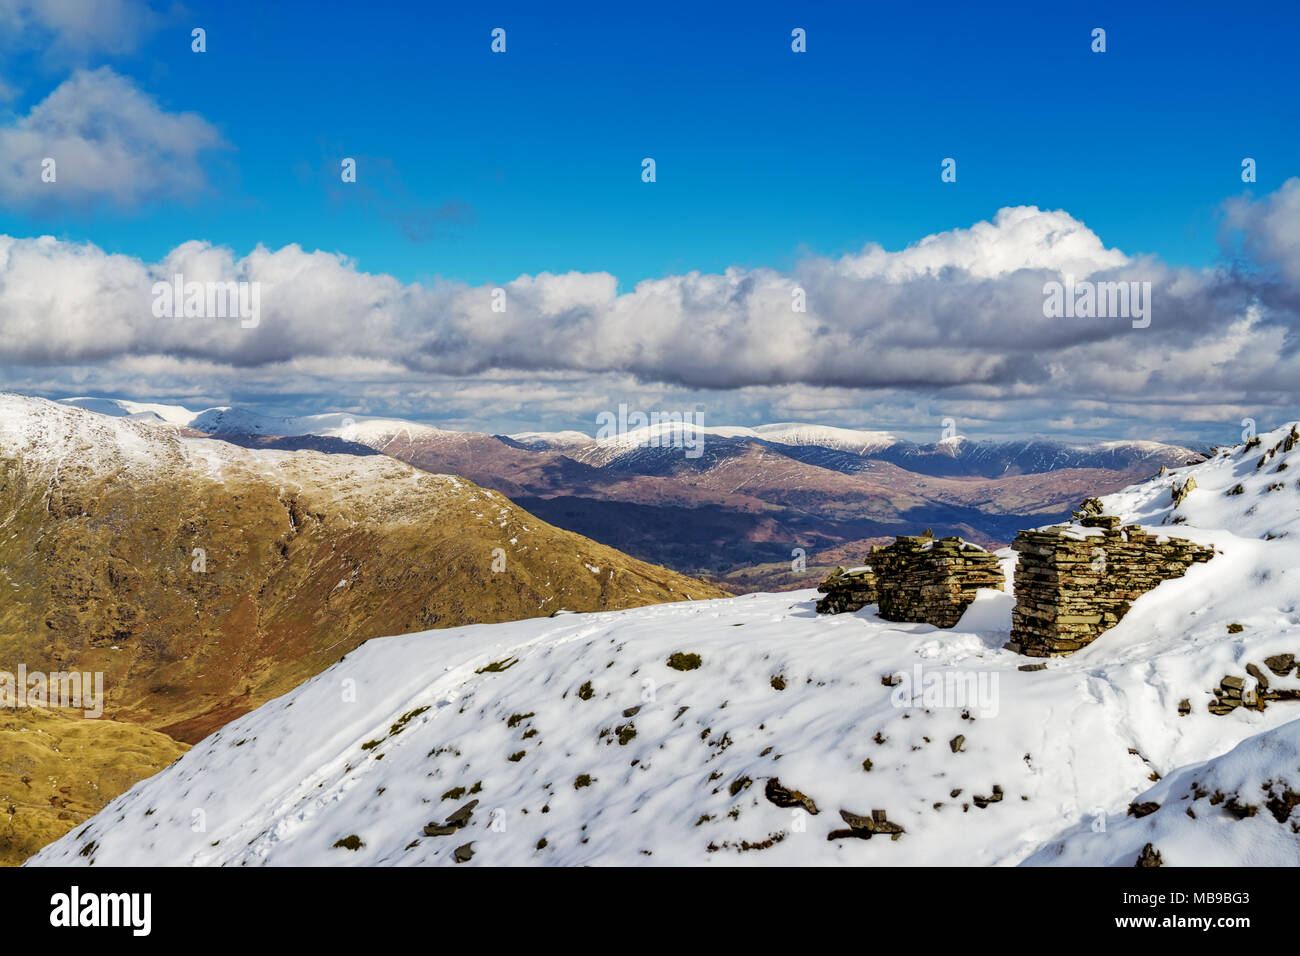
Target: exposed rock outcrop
column 1255, row 691
column 864, row 828
column 1149, row 857
column 788, row 798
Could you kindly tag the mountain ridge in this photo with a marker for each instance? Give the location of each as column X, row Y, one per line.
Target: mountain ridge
column 747, row 508
column 1038, row 451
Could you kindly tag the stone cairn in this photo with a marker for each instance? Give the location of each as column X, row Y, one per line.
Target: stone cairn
column 847, row 591
column 915, row 579
column 1073, row 586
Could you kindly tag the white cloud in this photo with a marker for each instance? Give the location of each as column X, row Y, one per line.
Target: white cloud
column 109, row 140
column 1019, row 237
column 952, row 325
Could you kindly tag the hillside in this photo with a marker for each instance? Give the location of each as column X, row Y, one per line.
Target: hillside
column 303, row 555
column 752, row 730
column 1233, row 810
column 203, row 579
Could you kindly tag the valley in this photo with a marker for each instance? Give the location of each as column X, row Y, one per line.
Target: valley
column 735, row 509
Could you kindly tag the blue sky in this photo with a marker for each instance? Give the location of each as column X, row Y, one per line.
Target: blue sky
column 761, row 153
column 775, row 169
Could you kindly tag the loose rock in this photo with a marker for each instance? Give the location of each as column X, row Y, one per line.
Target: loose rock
column 786, row 798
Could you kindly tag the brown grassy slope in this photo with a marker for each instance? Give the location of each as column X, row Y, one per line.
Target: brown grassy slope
column 58, row 769
column 307, row 555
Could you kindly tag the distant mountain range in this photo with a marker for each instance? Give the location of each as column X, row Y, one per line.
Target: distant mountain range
column 743, row 501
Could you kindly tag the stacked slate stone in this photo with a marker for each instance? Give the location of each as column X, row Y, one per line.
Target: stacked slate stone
column 1234, row 692
column 847, row 591
column 926, row 581
column 1072, row 587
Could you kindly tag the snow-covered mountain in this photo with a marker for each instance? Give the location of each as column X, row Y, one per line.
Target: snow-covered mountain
column 752, row 730
column 1232, row 810
column 548, row 441
column 849, row 449
column 667, row 440
column 853, row 440
column 144, row 411
column 659, row 448
column 961, row 456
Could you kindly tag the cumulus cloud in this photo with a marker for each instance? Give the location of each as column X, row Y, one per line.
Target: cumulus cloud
column 953, row 325
column 1019, row 237
column 109, row 140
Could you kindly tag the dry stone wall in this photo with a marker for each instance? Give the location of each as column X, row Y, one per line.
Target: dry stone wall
column 847, row 591
column 1071, row 585
column 917, row 579
column 930, row 581
column 1074, row 583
